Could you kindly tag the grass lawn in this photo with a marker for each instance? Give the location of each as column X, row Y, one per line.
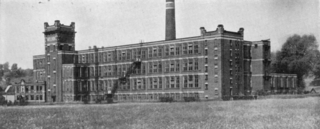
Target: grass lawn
column 300, row 113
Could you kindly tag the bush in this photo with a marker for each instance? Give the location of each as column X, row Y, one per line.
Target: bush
column 98, row 100
column 262, row 93
column 306, row 92
column 166, row 99
column 22, row 102
column 191, row 99
column 15, row 102
column 248, row 97
column 9, row 103
column 2, row 100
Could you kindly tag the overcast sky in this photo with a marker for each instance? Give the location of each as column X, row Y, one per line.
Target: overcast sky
column 118, row 22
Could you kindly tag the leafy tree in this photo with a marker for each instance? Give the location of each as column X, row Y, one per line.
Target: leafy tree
column 28, row 72
column 6, row 67
column 14, row 70
column 298, row 55
column 14, row 67
column 1, row 71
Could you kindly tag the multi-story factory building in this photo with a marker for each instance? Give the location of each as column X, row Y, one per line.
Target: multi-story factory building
column 213, row 65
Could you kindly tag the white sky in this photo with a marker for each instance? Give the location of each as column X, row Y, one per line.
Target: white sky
column 118, row 22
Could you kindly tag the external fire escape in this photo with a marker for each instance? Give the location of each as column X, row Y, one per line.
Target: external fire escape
column 123, row 80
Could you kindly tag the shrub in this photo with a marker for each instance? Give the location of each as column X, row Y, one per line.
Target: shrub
column 9, row 103
column 98, row 100
column 306, row 92
column 191, row 99
column 15, row 102
column 166, row 99
column 2, row 100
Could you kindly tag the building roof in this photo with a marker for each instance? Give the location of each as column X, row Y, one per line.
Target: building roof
column 10, row 90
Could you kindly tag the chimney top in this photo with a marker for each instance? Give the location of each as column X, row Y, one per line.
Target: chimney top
column 220, row 25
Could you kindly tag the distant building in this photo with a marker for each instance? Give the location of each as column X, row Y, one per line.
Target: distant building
column 34, row 92
column 215, row 64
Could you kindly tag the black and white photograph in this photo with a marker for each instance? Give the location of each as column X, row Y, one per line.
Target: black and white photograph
column 159, row 64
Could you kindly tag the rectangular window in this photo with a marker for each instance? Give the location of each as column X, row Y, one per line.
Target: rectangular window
column 143, row 53
column 177, row 82
column 177, row 49
column 167, row 50
column 196, row 48
column 167, row 66
column 151, row 85
column 143, row 83
column 206, row 60
column 177, row 66
column 155, row 70
column 196, row 64
column 172, row 50
column 160, row 82
column 155, row 83
column 134, row 53
column 206, row 77
column 160, row 51
column 128, row 54
column 190, row 46
column 206, row 51
column 206, row 68
column 143, row 65
column 150, row 52
column 185, row 65
column 150, row 67
column 206, row 86
column 155, row 52
column 167, row 82
column 172, row 81
column 185, row 81
column 172, row 66
column 215, row 57
column 190, row 78
column 196, row 81
column 160, row 66
column 190, row 65
column 185, row 48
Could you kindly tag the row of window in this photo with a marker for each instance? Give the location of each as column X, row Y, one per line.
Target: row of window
column 132, row 97
column 144, row 53
column 169, row 82
column 30, row 89
column 186, row 65
column 39, row 75
column 34, row 97
column 282, row 82
column 38, row 63
column 154, row 96
column 53, row 48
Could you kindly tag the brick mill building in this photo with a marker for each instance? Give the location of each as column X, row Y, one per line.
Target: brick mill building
column 215, row 64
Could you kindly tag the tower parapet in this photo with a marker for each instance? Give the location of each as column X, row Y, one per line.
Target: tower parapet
column 57, row 26
column 220, row 31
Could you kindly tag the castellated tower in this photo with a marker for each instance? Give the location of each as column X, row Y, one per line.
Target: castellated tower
column 59, row 50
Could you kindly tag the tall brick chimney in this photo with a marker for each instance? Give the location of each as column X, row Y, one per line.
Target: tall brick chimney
column 170, row 20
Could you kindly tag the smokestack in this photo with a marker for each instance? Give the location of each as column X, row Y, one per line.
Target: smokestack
column 170, row 20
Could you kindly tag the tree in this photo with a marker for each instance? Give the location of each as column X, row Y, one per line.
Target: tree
column 1, row 71
column 14, row 67
column 298, row 55
column 14, row 70
column 6, row 67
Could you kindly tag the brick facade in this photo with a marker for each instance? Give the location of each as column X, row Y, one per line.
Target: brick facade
column 215, row 65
